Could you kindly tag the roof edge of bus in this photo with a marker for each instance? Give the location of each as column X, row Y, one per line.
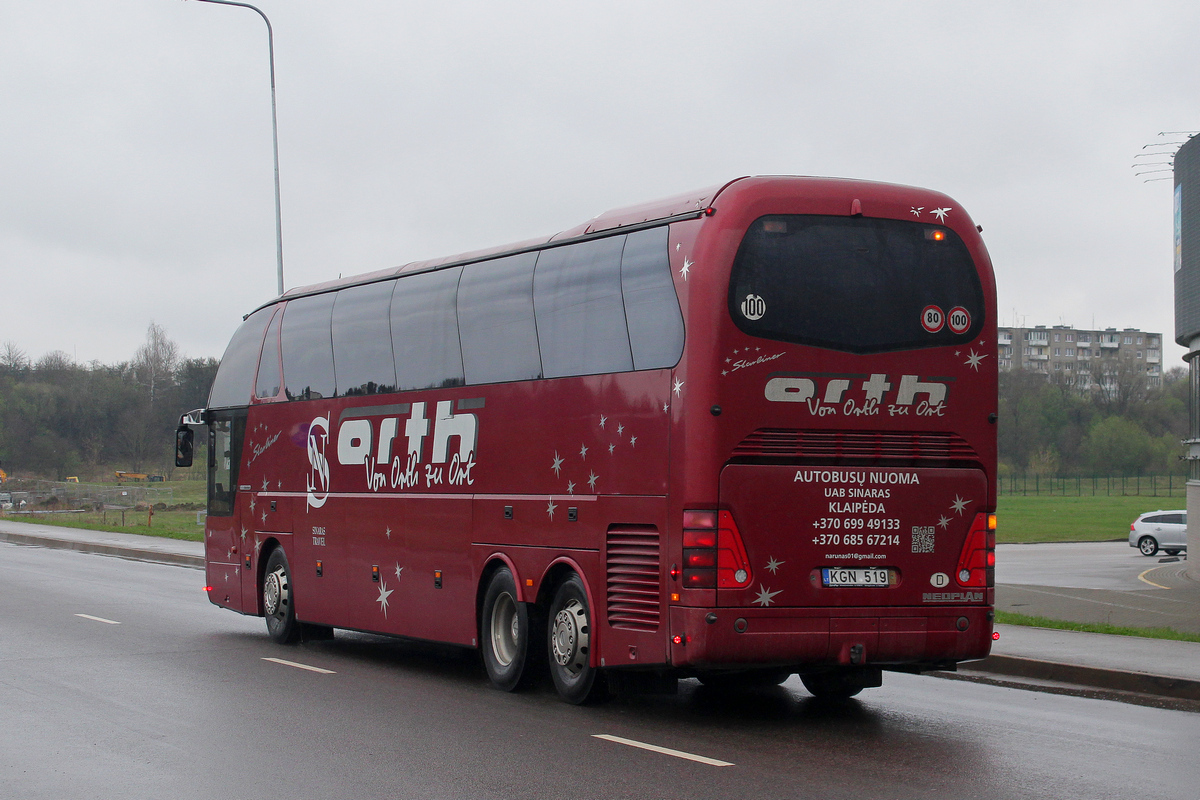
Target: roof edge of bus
column 626, row 217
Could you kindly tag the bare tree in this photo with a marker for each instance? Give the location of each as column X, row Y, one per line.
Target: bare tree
column 13, row 359
column 1120, row 384
column 155, row 361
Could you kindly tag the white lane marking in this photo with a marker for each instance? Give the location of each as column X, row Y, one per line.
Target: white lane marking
column 1144, row 579
column 1187, row 613
column 300, row 666
column 712, row 762
column 99, row 619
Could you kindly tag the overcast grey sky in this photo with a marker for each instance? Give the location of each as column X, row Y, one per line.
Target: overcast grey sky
column 135, row 149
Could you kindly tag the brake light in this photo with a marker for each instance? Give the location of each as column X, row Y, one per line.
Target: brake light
column 977, row 562
column 733, row 565
column 713, row 553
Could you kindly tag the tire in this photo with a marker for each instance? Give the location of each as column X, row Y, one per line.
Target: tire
column 504, row 632
column 569, row 637
column 1171, row 552
column 749, row 679
column 839, row 684
column 278, row 605
column 1148, row 545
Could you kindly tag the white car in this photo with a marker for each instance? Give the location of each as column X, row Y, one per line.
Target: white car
column 1159, row 529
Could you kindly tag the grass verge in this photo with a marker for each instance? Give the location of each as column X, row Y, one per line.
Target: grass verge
column 167, row 524
column 1072, row 519
column 1010, row 618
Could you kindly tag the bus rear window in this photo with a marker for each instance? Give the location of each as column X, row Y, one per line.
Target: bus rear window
column 855, row 284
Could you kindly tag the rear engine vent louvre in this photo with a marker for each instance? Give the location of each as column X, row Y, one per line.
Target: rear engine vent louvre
column 876, row 447
column 634, row 577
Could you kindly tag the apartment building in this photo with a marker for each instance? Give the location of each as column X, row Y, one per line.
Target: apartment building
column 1078, row 357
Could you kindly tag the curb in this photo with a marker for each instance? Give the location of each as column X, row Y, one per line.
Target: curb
column 120, row 551
column 1094, row 677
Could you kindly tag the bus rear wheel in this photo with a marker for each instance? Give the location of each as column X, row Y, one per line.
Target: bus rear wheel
column 504, row 632
column 841, row 684
column 569, row 645
column 278, row 607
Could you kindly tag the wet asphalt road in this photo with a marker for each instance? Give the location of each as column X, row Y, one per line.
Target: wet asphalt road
column 177, row 701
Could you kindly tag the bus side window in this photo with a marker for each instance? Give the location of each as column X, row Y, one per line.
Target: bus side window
column 362, row 340
column 425, row 331
column 267, row 384
column 496, row 322
column 308, row 348
column 235, row 376
column 651, row 306
column 580, row 317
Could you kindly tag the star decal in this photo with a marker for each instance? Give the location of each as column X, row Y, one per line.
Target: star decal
column 244, row 532
column 384, row 593
column 583, row 451
column 603, row 419
column 916, row 210
column 974, row 359
column 765, row 595
column 677, row 386
column 592, row 477
column 550, row 509
column 611, row 447
column 266, row 484
column 388, row 533
column 774, row 565
column 620, row 429
column 252, row 500
column 728, row 360
column 279, row 484
column 399, row 569
column 264, row 518
column 557, row 465
column 940, row 213
column 686, row 268
column 257, row 545
column 944, row 521
column 959, row 504
column 632, row 441
column 570, row 487
column 666, row 408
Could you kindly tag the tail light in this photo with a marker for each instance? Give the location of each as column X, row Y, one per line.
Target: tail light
column 713, row 553
column 977, row 562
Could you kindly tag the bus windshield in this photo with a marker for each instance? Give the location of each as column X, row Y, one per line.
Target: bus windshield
column 852, row 283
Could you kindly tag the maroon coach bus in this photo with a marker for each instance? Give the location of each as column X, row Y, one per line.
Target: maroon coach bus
column 734, row 435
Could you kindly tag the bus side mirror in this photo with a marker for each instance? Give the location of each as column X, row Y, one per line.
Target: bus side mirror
column 183, row 446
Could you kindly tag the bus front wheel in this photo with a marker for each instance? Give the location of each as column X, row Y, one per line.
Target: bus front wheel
column 569, row 644
column 278, row 607
column 504, row 632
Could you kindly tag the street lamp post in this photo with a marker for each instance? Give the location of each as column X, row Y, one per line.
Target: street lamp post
column 274, row 130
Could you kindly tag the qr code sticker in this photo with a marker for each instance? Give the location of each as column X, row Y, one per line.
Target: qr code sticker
column 922, row 539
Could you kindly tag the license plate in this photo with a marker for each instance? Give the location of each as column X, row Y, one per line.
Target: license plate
column 854, row 577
